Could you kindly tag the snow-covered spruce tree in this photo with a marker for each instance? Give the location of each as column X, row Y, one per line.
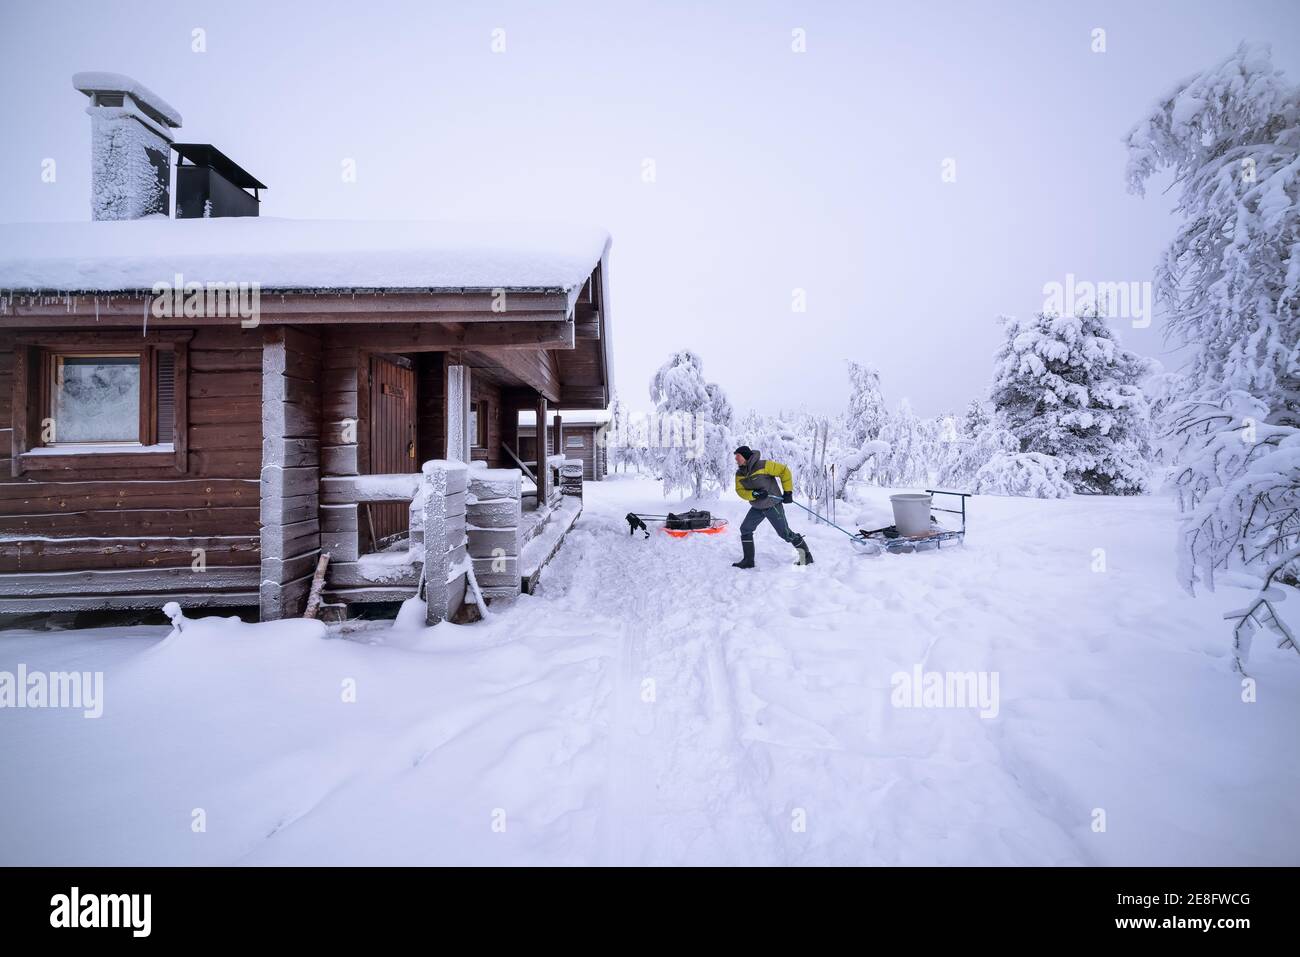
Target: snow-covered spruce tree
column 972, row 452
column 1064, row 387
column 976, row 419
column 855, row 447
column 1230, row 283
column 866, row 414
column 688, row 440
column 1025, row 474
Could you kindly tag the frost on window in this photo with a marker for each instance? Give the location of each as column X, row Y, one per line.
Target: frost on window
column 97, row 399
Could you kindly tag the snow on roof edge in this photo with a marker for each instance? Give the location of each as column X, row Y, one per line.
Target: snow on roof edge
column 284, row 255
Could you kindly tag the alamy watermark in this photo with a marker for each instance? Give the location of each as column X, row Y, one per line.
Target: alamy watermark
column 656, row 430
column 1132, row 300
column 179, row 299
column 82, row 690
column 946, row 689
column 76, row 909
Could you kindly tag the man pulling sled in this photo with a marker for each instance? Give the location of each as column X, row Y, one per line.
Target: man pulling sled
column 768, row 487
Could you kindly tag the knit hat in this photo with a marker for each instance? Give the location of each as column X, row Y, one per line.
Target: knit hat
column 744, row 451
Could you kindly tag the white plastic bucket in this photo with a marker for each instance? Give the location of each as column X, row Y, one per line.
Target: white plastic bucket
column 911, row 513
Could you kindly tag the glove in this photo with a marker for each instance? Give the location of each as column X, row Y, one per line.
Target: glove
column 759, row 495
column 787, row 498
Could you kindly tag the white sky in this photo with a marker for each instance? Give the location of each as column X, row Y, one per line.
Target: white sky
column 775, row 170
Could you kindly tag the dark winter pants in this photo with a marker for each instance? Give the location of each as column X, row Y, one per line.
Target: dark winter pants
column 775, row 515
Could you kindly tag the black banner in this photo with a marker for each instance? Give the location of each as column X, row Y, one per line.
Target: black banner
column 335, row 905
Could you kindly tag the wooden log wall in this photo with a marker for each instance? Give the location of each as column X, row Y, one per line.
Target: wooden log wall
column 104, row 534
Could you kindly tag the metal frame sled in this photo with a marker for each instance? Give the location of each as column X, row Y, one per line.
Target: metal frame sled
column 890, row 540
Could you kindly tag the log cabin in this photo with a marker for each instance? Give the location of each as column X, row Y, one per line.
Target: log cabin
column 196, row 408
column 578, row 436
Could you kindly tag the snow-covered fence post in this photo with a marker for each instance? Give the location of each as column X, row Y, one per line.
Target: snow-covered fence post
column 494, row 515
column 571, row 477
column 442, row 532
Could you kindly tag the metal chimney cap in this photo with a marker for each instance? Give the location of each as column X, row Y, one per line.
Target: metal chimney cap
column 94, row 82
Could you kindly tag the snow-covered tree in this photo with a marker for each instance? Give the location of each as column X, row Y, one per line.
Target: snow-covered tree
column 718, row 440
column 977, row 418
column 1239, row 486
column 1230, row 280
column 971, row 454
column 1064, row 387
column 691, row 447
column 909, row 447
column 866, row 414
column 622, row 451
column 1027, row 474
column 1230, row 283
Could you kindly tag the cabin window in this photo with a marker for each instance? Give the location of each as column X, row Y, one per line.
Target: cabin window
column 573, row 441
column 478, row 419
column 94, row 399
column 116, row 395
column 108, row 398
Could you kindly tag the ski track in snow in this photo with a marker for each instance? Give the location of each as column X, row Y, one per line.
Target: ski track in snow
column 652, row 705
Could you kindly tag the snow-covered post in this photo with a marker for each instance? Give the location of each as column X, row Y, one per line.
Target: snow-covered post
column 436, row 565
column 494, row 516
column 459, row 401
column 543, row 452
column 442, row 527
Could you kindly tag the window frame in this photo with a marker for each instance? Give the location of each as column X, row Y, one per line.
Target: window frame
column 52, row 356
column 35, row 359
column 480, row 438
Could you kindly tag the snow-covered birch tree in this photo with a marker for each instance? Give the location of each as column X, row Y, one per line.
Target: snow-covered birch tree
column 690, row 447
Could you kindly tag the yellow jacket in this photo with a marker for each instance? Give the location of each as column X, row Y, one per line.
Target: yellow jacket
column 763, row 476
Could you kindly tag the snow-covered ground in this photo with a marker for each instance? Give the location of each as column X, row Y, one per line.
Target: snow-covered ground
column 652, row 705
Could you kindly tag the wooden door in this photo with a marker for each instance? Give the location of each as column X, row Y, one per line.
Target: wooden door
column 392, row 439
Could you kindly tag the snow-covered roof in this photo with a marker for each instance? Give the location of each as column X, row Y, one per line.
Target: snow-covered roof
column 99, row 81
column 120, row 256
column 569, row 417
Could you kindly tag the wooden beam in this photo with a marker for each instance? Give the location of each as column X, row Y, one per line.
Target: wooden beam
column 297, row 307
column 543, row 472
column 586, row 321
column 439, row 337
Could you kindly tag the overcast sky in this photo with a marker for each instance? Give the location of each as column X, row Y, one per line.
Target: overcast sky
column 773, row 170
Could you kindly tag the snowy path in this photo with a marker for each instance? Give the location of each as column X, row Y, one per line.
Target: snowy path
column 652, row 705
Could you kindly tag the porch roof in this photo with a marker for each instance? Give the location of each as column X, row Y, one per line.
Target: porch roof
column 297, row 255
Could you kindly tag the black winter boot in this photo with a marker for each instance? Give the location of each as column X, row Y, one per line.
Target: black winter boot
column 748, row 560
column 801, row 548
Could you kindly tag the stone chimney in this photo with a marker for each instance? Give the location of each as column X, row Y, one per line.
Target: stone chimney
column 130, row 140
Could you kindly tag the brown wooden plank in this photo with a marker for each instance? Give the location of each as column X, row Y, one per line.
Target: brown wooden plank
column 69, row 554
column 239, row 435
column 506, row 336
column 24, row 498
column 206, row 385
column 179, row 522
